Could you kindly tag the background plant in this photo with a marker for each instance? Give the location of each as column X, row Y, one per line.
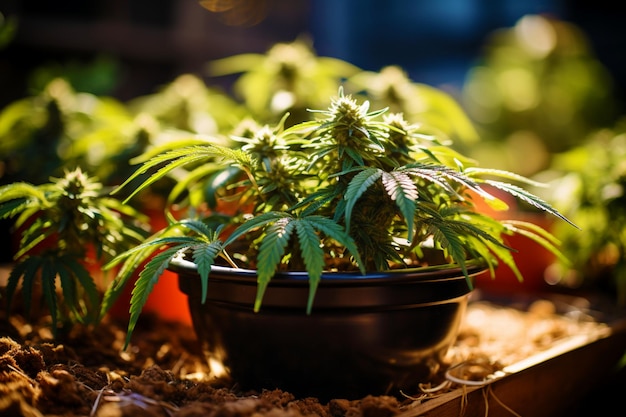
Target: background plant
column 536, row 90
column 588, row 184
column 49, row 131
column 66, row 228
column 289, row 77
column 419, row 103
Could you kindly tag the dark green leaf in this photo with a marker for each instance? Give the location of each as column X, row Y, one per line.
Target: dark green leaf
column 48, row 278
column 271, row 251
column 403, row 191
column 204, row 257
column 312, row 254
column 358, row 185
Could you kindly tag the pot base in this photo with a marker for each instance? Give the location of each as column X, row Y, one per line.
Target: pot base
column 364, row 336
column 329, row 355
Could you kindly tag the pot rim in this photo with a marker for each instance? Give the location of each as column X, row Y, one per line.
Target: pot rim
column 428, row 273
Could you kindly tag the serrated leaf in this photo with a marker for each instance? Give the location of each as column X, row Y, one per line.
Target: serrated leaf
column 334, row 231
column 478, row 172
column 539, row 236
column 176, row 158
column 529, row 198
column 271, row 251
column 312, row 254
column 358, row 185
column 204, row 257
column 354, row 155
column 403, row 191
column 146, row 281
column 137, row 256
column 253, row 223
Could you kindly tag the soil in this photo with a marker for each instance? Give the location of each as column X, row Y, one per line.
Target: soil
column 85, row 372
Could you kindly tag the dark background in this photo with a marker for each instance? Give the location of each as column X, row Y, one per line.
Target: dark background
column 152, row 41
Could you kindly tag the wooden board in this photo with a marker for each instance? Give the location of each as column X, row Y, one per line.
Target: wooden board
column 552, row 383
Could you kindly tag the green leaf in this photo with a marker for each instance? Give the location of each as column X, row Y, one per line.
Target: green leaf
column 134, row 258
column 253, row 223
column 481, row 173
column 354, row 155
column 505, row 254
column 271, row 251
column 538, row 235
column 180, row 143
column 312, row 254
column 22, row 190
column 48, row 278
column 358, row 185
column 18, row 270
column 450, row 240
column 85, row 280
column 176, row 158
column 13, row 207
column 334, row 231
column 440, row 175
column 70, row 294
column 204, row 257
column 403, row 191
column 529, row 198
column 202, row 231
column 148, row 278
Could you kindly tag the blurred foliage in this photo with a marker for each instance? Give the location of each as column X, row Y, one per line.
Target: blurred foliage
column 60, row 128
column 537, row 90
column 588, row 185
column 68, row 122
column 98, row 77
column 8, row 28
column 188, row 104
column 290, row 77
column 544, row 107
column 419, row 103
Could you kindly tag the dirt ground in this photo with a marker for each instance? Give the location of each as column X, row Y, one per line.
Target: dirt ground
column 86, row 373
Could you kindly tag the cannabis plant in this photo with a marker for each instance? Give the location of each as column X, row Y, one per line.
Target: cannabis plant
column 353, row 189
column 62, row 226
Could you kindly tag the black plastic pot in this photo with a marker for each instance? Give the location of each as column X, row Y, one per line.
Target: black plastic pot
column 375, row 334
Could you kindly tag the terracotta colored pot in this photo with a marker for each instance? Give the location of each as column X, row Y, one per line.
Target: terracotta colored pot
column 166, row 300
column 531, row 258
column 375, row 334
